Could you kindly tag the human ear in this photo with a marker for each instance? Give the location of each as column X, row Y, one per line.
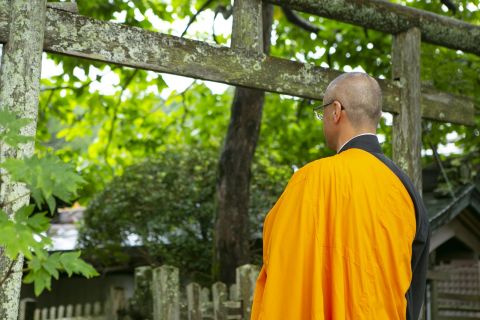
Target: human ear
column 337, row 112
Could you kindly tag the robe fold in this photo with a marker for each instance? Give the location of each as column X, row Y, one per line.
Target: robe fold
column 347, row 239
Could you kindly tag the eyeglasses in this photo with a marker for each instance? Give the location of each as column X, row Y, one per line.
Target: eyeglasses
column 318, row 111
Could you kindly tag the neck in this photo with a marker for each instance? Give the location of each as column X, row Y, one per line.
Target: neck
column 344, row 137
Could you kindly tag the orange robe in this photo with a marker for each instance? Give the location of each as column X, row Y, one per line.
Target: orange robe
column 338, row 243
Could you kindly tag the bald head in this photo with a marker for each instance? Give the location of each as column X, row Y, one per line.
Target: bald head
column 360, row 95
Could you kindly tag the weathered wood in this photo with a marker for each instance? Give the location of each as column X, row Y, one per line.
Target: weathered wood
column 165, row 290
column 441, row 106
column 219, row 296
column 393, row 18
column 116, row 301
column 65, row 6
column 247, row 30
column 141, row 302
column 193, row 301
column 407, row 128
column 232, row 245
column 27, row 309
column 109, row 42
column 19, row 91
column 434, row 299
column 460, row 296
column 246, row 280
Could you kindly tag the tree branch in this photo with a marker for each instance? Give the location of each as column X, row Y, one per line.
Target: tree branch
column 8, row 273
column 194, row 17
column 299, row 21
column 115, row 114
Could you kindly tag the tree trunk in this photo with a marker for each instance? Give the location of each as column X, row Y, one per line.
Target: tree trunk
column 19, row 92
column 232, row 234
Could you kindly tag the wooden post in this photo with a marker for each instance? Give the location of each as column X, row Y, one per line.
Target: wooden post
column 61, row 312
column 246, row 279
column 142, row 302
column 27, row 309
column 19, row 92
column 433, row 299
column 219, row 296
column 116, row 301
column 165, row 290
column 69, row 312
column 232, row 234
column 193, row 301
column 407, row 134
column 247, row 31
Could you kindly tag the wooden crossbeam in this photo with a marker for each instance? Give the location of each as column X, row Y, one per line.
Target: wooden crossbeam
column 75, row 35
column 393, row 18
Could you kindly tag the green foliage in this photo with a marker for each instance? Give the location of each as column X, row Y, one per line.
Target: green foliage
column 43, row 267
column 10, row 127
column 24, row 232
column 46, row 178
column 167, row 202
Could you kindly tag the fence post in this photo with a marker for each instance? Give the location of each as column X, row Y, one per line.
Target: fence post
column 27, row 309
column 246, row 279
column 61, row 312
column 407, row 124
column 37, row 314
column 193, row 301
column 165, row 292
column 115, row 301
column 142, row 303
column 69, row 312
column 219, row 296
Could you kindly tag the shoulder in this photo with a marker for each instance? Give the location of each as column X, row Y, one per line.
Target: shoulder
column 322, row 166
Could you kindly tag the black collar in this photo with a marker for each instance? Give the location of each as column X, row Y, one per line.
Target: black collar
column 366, row 142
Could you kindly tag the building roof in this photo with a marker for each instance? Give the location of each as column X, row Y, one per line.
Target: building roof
column 445, row 209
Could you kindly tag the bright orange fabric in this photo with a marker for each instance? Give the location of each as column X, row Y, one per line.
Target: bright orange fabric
column 337, row 244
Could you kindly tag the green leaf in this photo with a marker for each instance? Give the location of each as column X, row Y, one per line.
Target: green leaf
column 46, row 178
column 41, row 280
column 39, row 222
column 10, row 127
column 23, row 213
column 71, row 263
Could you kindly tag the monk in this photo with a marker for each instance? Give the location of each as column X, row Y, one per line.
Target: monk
column 349, row 236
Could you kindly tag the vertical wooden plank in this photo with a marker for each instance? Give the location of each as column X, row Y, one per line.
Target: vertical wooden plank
column 78, row 310
column 37, row 314
column 97, row 308
column 407, row 134
column 219, row 296
column 116, row 301
column 246, row 279
column 44, row 314
column 247, row 27
column 231, row 228
column 27, row 309
column 434, row 299
column 61, row 312
column 19, row 91
column 53, row 312
column 165, row 291
column 193, row 301
column 69, row 312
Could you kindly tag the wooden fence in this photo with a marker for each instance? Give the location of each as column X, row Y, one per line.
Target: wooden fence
column 157, row 296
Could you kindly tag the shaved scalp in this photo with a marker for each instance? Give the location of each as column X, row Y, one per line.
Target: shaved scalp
column 360, row 95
